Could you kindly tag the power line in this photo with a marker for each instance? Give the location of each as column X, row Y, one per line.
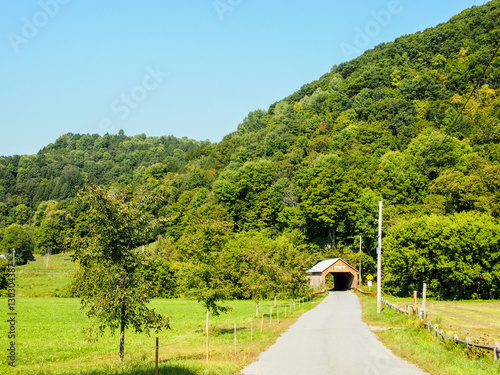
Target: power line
column 434, row 150
column 478, row 82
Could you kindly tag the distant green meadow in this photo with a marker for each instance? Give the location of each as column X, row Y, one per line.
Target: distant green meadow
column 37, row 280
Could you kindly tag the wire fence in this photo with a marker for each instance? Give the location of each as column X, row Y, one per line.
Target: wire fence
column 239, row 338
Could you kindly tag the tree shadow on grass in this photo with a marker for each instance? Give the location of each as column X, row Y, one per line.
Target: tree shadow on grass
column 164, row 368
column 230, row 331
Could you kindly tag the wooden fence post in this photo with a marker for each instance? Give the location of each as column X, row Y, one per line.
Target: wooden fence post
column 234, row 338
column 496, row 351
column 156, row 365
column 278, row 312
column 271, row 317
column 429, row 326
column 262, row 323
column 424, row 299
column 469, row 347
column 414, row 303
column 436, row 328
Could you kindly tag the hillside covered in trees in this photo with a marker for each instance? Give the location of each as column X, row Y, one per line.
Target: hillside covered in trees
column 415, row 122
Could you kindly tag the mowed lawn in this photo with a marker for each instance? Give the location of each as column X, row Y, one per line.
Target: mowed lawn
column 53, row 336
column 480, row 320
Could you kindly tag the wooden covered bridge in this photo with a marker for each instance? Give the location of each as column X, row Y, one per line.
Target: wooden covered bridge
column 345, row 276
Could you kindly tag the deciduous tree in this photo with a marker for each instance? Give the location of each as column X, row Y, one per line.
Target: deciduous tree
column 457, row 256
column 19, row 238
column 109, row 278
column 203, row 274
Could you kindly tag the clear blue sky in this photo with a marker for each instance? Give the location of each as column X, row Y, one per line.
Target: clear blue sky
column 190, row 68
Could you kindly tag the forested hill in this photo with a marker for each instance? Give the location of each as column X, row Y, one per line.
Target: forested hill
column 60, row 168
column 415, row 121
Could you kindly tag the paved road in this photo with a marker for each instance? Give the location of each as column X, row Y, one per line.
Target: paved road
column 330, row 339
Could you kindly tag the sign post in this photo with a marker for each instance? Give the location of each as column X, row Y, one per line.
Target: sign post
column 369, row 279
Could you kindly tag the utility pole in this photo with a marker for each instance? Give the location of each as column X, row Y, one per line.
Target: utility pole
column 360, row 254
column 379, row 259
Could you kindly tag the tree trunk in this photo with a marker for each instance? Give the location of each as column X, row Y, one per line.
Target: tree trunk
column 275, row 303
column 333, row 238
column 208, row 314
column 122, row 335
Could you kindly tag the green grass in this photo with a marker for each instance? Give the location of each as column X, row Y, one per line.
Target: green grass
column 408, row 339
column 51, row 338
column 51, row 335
column 480, row 320
column 37, row 280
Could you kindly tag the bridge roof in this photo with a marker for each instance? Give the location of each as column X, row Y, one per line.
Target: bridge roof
column 323, row 265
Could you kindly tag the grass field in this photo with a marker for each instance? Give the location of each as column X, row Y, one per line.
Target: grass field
column 52, row 333
column 51, row 336
column 409, row 340
column 480, row 320
column 37, row 280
